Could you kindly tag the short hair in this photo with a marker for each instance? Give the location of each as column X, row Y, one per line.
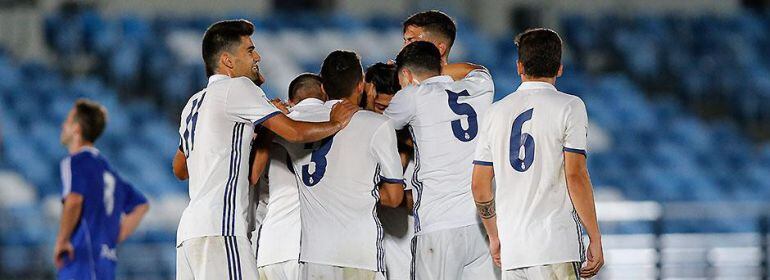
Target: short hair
column 435, row 22
column 341, row 72
column 420, row 57
column 539, row 52
column 384, row 77
column 303, row 81
column 221, row 36
column 92, row 118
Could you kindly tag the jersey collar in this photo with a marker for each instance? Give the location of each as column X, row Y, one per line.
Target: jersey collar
column 438, row 79
column 90, row 149
column 217, row 77
column 536, row 85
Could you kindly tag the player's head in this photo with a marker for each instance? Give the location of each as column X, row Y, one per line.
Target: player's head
column 381, row 83
column 84, row 124
column 306, row 85
column 432, row 26
column 417, row 62
column 343, row 76
column 228, row 50
column 539, row 54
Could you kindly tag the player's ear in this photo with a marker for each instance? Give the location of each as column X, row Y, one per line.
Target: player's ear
column 519, row 68
column 561, row 70
column 442, row 48
column 226, row 59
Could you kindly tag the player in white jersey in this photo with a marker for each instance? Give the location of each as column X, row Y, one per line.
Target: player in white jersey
column 442, row 115
column 215, row 134
column 279, row 238
column 342, row 178
column 533, row 143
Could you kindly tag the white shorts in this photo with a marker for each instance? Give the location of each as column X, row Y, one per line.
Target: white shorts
column 312, row 271
column 458, row 253
column 559, row 271
column 288, row 270
column 216, row 258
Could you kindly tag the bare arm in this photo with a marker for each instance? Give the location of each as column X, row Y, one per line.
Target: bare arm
column 131, row 221
column 459, row 70
column 391, row 194
column 481, row 186
column 73, row 206
column 581, row 193
column 303, row 132
column 261, row 155
column 180, row 166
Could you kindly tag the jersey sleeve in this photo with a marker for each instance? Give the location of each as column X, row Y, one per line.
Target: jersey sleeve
column 576, row 127
column 183, row 130
column 246, row 102
column 385, row 150
column 134, row 198
column 409, row 175
column 479, row 81
column 402, row 108
column 74, row 174
column 483, row 154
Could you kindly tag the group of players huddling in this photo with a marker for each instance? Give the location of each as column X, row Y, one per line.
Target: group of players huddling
column 374, row 175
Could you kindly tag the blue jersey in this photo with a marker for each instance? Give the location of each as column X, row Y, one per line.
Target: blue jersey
column 106, row 197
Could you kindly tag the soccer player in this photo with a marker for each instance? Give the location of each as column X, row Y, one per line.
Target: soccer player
column 342, row 178
column 279, row 238
column 442, row 116
column 533, row 142
column 215, row 134
column 100, row 208
column 431, row 26
column 381, row 85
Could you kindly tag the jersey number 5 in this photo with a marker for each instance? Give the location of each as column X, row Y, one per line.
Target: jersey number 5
column 521, row 140
column 318, row 158
column 461, row 109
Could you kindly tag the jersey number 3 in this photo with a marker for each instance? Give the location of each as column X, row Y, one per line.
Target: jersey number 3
column 461, row 109
column 521, row 140
column 318, row 158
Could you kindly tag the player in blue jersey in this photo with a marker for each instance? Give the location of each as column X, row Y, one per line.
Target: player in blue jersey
column 100, row 208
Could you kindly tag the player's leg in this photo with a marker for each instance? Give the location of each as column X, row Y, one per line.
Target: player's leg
column 288, row 270
column 243, row 258
column 440, row 255
column 559, row 271
column 479, row 265
column 183, row 268
column 218, row 257
column 398, row 259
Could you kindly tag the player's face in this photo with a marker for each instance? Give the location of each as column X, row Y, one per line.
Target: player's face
column 381, row 102
column 68, row 128
column 245, row 62
column 414, row 33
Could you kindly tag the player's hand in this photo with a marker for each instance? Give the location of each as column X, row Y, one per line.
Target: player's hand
column 595, row 260
column 494, row 250
column 63, row 251
column 342, row 112
column 278, row 103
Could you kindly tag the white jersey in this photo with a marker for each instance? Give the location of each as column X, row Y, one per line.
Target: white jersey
column 398, row 224
column 215, row 135
column 338, row 180
column 280, row 234
column 524, row 137
column 443, row 116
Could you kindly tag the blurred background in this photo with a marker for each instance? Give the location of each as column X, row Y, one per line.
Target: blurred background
column 678, row 95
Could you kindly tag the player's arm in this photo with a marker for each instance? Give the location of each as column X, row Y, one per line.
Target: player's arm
column 260, row 157
column 180, row 166
column 131, row 221
column 481, row 185
column 458, row 71
column 73, row 207
column 391, row 194
column 384, row 147
column 303, row 132
column 581, row 193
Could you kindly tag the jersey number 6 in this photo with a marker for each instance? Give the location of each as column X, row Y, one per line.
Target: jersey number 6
column 519, row 140
column 463, row 109
column 318, row 157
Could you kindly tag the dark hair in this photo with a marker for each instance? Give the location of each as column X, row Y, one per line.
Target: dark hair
column 341, row 72
column 436, row 22
column 92, row 118
column 421, row 57
column 303, row 81
column 384, row 77
column 221, row 36
column 539, row 52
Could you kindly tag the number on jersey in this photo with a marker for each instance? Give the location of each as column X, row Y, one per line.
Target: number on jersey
column 191, row 122
column 522, row 145
column 318, row 160
column 463, row 109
